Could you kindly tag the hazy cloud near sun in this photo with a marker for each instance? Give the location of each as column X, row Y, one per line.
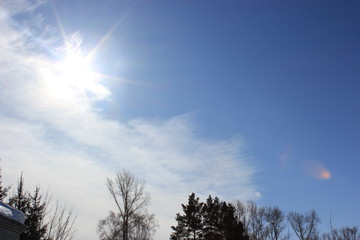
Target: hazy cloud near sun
column 63, row 141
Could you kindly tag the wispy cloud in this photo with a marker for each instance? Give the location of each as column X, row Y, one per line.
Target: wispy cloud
column 64, row 144
column 17, row 6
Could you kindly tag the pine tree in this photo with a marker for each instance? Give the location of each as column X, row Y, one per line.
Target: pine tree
column 231, row 228
column 34, row 208
column 36, row 228
column 213, row 220
column 211, row 213
column 3, row 190
column 190, row 223
column 20, row 199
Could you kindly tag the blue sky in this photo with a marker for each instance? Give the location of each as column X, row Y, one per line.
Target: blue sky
column 241, row 99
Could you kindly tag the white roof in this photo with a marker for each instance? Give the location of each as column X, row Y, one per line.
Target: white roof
column 12, row 213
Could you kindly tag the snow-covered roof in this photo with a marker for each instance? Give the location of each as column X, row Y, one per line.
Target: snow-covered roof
column 11, row 213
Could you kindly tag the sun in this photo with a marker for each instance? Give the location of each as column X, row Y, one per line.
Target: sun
column 73, row 76
column 76, row 70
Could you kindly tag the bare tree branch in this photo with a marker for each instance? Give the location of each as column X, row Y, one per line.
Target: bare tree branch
column 61, row 223
column 304, row 225
column 132, row 222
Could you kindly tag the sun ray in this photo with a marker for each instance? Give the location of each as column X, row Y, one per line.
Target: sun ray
column 106, row 36
column 118, row 79
column 58, row 21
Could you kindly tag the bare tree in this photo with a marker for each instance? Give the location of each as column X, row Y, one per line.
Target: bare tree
column 276, row 222
column 144, row 226
column 346, row 233
column 304, row 225
column 110, row 227
column 131, row 200
column 61, row 223
column 257, row 224
column 242, row 213
column 254, row 219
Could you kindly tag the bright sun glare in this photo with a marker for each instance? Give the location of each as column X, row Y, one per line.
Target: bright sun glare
column 75, row 70
column 74, row 76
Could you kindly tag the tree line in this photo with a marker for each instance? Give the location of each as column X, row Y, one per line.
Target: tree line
column 42, row 221
column 215, row 219
column 210, row 220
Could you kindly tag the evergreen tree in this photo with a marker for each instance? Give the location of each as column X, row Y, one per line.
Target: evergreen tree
column 61, row 221
column 190, row 223
column 36, row 228
column 3, row 190
column 34, row 208
column 231, row 228
column 211, row 213
column 20, row 199
column 213, row 220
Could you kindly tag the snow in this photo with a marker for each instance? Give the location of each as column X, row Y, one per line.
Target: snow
column 11, row 213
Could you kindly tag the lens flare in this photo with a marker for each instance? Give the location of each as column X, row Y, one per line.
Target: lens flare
column 325, row 174
column 316, row 170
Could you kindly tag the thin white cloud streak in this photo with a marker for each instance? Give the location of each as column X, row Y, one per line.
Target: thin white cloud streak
column 65, row 145
column 13, row 7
